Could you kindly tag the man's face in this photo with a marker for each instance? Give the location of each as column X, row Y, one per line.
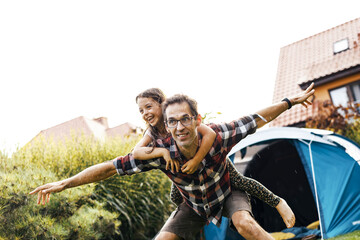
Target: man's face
column 185, row 136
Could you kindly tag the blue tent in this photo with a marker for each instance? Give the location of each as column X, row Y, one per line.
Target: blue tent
column 316, row 171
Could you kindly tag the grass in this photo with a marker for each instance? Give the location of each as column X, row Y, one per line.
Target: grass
column 350, row 236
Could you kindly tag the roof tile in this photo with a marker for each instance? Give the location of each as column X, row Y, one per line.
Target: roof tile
column 312, row 58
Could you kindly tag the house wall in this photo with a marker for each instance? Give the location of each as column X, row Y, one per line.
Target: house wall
column 322, row 92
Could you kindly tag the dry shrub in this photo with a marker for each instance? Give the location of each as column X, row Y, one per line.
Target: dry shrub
column 334, row 118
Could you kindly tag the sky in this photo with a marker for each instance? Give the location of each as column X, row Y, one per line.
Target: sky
column 63, row 59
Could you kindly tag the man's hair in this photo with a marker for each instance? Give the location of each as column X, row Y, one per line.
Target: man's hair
column 180, row 98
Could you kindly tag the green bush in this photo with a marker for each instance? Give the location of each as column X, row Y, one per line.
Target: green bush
column 353, row 131
column 67, row 158
column 118, row 208
column 143, row 206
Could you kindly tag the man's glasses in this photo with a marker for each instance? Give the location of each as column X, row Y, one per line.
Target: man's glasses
column 185, row 121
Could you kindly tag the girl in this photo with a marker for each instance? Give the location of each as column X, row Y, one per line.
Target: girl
column 149, row 103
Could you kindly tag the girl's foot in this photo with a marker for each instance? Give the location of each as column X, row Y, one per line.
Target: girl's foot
column 286, row 213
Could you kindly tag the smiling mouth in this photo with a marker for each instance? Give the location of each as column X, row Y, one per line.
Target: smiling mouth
column 149, row 119
column 183, row 135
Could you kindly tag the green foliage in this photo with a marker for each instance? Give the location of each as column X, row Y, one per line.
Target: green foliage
column 21, row 217
column 209, row 116
column 350, row 236
column 117, row 208
column 144, row 206
column 104, row 224
column 353, row 131
column 73, row 155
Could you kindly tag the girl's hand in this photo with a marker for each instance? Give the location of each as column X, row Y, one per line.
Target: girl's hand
column 170, row 162
column 190, row 166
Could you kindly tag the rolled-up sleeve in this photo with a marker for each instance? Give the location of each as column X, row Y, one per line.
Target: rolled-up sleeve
column 231, row 133
column 127, row 165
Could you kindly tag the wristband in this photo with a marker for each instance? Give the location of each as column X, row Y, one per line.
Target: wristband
column 288, row 102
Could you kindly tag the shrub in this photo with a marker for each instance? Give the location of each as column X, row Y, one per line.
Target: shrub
column 116, row 208
column 338, row 119
column 73, row 155
column 353, row 131
column 144, row 206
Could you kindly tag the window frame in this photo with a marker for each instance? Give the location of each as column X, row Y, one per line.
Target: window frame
column 338, row 42
column 349, row 91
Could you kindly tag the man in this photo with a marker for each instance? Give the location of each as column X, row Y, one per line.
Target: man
column 207, row 193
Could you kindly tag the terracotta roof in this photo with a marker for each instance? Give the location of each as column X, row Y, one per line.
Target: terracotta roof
column 65, row 130
column 90, row 127
column 124, row 129
column 312, row 58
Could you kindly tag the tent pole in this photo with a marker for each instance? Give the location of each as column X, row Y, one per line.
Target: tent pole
column 316, row 194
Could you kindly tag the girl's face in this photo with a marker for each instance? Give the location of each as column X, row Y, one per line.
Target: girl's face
column 150, row 111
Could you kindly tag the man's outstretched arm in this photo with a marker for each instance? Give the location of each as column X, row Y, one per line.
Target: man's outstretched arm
column 91, row 174
column 272, row 112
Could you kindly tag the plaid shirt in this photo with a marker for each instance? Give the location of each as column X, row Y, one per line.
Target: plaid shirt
column 206, row 190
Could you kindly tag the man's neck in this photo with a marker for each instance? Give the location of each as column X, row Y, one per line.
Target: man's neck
column 190, row 151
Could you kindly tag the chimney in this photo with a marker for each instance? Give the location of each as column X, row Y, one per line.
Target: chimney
column 103, row 121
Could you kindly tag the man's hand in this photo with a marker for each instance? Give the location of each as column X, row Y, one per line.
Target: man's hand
column 270, row 113
column 302, row 98
column 170, row 162
column 44, row 191
column 190, row 166
column 91, row 174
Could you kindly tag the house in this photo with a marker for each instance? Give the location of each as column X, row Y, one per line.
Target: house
column 330, row 59
column 97, row 128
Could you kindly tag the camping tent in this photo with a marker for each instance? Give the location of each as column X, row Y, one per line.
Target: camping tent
column 316, row 171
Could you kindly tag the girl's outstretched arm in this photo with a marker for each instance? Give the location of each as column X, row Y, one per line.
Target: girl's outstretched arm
column 207, row 141
column 143, row 152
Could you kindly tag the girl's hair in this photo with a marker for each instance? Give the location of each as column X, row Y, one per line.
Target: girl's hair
column 154, row 93
column 158, row 96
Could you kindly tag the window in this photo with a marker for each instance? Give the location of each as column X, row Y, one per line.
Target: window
column 345, row 94
column 339, row 96
column 341, row 45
